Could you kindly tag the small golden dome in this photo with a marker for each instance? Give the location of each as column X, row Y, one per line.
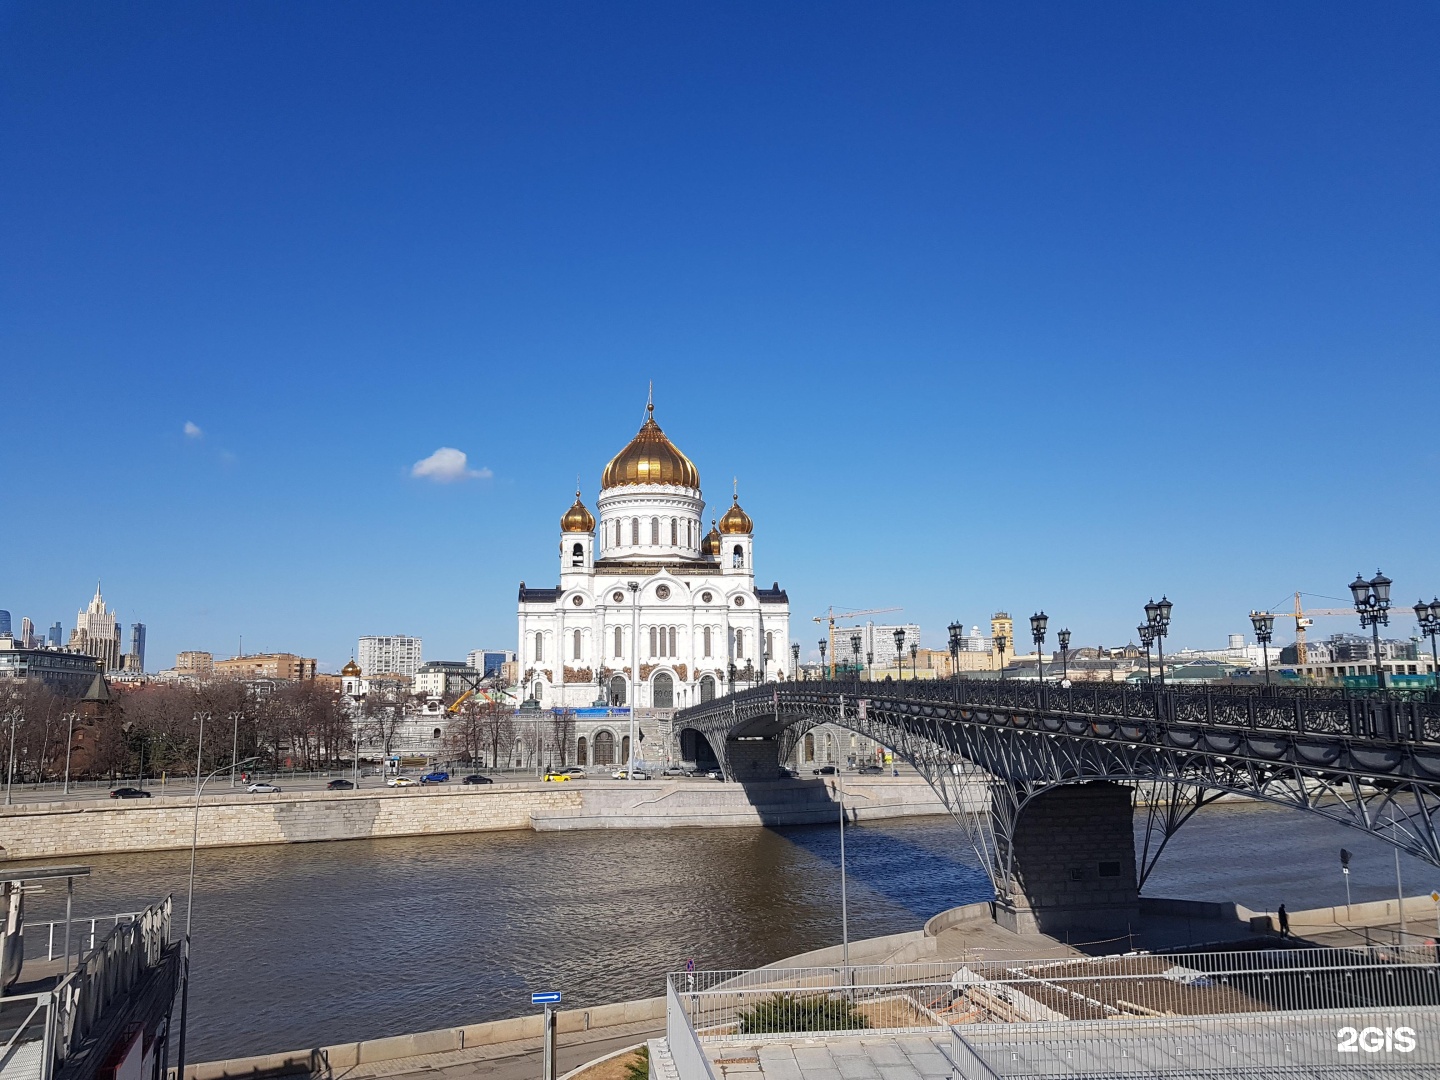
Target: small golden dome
column 351, row 669
column 650, row 458
column 736, row 522
column 577, row 518
column 711, row 544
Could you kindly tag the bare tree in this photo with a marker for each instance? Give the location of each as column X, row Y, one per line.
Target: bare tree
column 498, row 724
column 562, row 734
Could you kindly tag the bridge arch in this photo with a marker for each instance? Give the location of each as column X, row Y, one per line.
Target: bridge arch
column 996, row 753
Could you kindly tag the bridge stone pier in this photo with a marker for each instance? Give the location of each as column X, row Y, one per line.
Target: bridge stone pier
column 1072, row 865
column 752, row 759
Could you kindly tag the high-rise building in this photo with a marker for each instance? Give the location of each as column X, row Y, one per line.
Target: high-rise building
column 393, row 654
column 267, row 666
column 197, row 664
column 97, row 632
column 878, row 641
column 5, row 624
column 137, row 645
column 488, row 661
column 57, row 634
column 27, row 633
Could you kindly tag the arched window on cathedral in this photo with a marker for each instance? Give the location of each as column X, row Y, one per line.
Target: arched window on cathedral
column 577, row 644
column 739, row 643
column 577, row 555
column 689, row 534
column 619, row 642
column 674, row 533
column 617, row 532
column 770, row 644
column 705, row 640
column 672, row 641
column 539, row 646
column 652, row 641
column 654, row 532
column 739, row 556
column 634, row 532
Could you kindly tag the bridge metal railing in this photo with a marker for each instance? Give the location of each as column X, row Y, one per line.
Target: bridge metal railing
column 1386, row 716
column 48, row 939
column 737, row 1005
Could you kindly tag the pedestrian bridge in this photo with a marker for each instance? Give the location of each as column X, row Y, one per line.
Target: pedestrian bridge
column 1065, row 769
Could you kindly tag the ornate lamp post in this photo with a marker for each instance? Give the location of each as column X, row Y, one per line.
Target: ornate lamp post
column 795, row 661
column 899, row 636
column 1158, row 616
column 1428, row 616
column 1064, row 638
column 957, row 633
column 1264, row 630
column 869, row 665
column 1147, row 635
column 1038, row 622
column 823, row 646
column 855, row 652
column 914, row 654
column 1372, row 603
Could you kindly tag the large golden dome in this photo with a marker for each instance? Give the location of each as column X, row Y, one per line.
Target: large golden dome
column 736, row 522
column 577, row 518
column 351, row 669
column 650, row 458
column 711, row 544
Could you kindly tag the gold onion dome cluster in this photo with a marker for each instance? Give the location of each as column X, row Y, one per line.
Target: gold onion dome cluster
column 651, row 458
column 711, row 544
column 736, row 522
column 577, row 518
column 352, row 668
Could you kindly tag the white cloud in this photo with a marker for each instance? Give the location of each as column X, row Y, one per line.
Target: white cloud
column 192, row 430
column 447, row 465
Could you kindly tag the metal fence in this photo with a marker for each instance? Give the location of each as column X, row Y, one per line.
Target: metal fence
column 48, row 939
column 733, row 1005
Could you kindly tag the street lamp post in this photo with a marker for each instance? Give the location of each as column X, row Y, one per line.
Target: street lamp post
column 855, row 654
column 634, row 587
column 1064, row 638
column 899, row 653
column 795, row 661
column 10, row 769
column 1147, row 635
column 1264, row 630
column 824, row 671
column 190, row 892
column 1372, row 603
column 1000, row 642
column 69, row 742
column 1157, row 615
column 957, row 631
column 1038, row 622
column 914, row 652
column 1428, row 616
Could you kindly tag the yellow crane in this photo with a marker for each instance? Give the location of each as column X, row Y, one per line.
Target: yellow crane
column 1303, row 621
column 831, row 615
column 459, row 701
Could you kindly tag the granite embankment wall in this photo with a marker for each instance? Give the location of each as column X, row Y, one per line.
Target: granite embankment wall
column 94, row 826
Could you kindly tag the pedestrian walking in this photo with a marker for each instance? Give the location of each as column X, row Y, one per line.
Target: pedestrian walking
column 1284, row 922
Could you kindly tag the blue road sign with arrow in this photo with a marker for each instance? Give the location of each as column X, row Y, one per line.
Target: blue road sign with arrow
column 548, row 997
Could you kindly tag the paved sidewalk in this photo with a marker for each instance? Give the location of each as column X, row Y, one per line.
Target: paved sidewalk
column 518, row 1060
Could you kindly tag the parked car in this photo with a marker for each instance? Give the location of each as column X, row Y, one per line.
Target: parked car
column 557, row 777
column 824, row 770
column 715, row 774
column 624, row 774
column 262, row 788
column 786, row 774
column 130, row 793
column 339, row 785
column 439, row 776
column 476, row 778
column 399, row 781
column 576, row 772
column 674, row 770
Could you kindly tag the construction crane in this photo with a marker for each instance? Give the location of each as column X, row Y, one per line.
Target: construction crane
column 1303, row 621
column 831, row 615
column 453, row 709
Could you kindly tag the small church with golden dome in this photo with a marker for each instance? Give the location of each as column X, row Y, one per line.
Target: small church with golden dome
column 653, row 609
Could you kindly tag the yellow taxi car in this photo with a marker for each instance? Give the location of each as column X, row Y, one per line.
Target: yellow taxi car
column 557, row 777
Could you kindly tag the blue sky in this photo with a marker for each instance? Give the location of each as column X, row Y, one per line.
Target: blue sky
column 986, row 306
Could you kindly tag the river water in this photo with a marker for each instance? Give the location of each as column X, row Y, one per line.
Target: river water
column 310, row 944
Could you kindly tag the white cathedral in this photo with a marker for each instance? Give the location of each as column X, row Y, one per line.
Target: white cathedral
column 661, row 596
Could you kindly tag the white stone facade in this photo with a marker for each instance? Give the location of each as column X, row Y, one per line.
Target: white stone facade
column 663, row 596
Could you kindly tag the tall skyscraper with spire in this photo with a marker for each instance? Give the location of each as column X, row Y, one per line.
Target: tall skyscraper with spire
column 97, row 632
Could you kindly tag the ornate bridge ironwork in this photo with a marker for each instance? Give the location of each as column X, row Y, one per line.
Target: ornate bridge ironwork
column 1371, row 762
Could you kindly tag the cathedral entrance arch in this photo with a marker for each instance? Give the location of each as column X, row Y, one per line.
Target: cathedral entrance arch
column 662, row 691
column 617, row 691
column 604, row 748
column 707, row 688
column 580, row 752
